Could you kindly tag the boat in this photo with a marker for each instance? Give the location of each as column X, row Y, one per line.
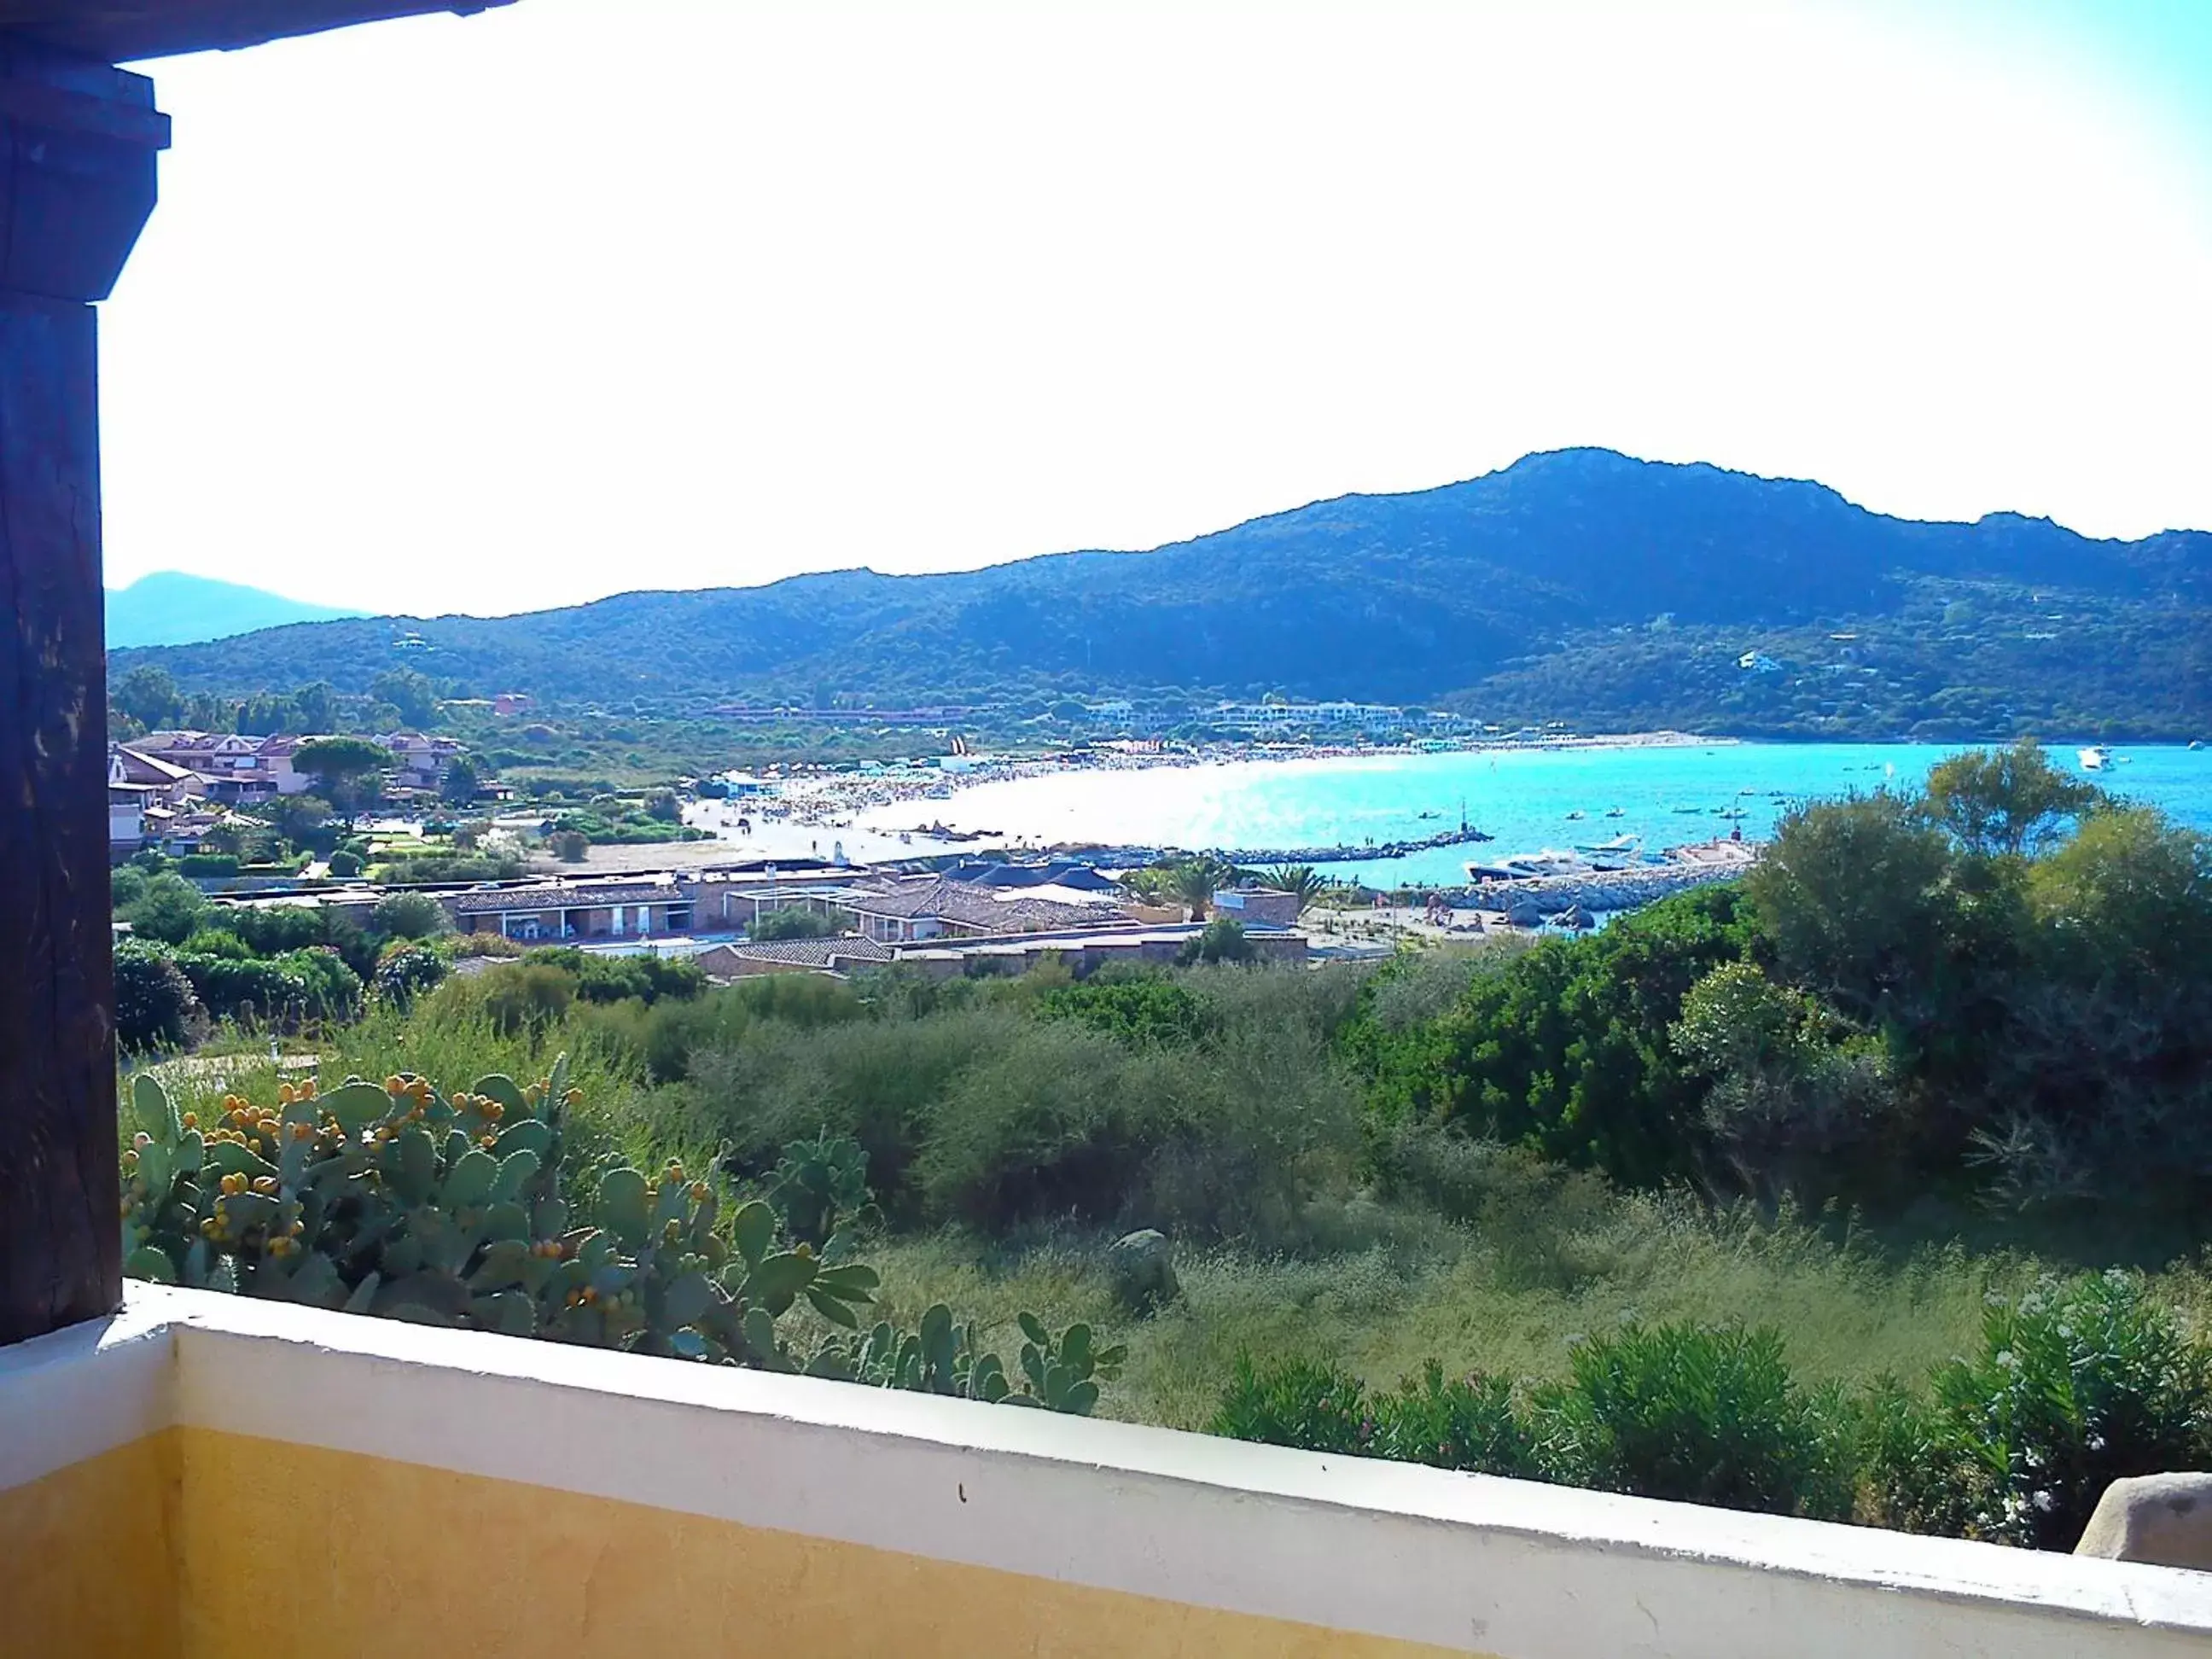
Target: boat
column 1576, row 814
column 1734, row 812
column 1428, row 815
column 2095, row 758
column 1691, row 811
column 1618, row 844
column 1616, row 812
column 1527, row 867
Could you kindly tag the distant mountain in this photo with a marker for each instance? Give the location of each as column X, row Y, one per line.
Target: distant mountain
column 1579, row 585
column 171, row 608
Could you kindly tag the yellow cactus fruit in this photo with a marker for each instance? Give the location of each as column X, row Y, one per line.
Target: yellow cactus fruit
column 699, row 1192
column 191, row 1120
column 574, row 1097
column 393, row 1085
column 284, row 1095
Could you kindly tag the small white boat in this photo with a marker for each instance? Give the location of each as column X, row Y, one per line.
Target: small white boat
column 1616, row 812
column 1576, row 814
column 2095, row 758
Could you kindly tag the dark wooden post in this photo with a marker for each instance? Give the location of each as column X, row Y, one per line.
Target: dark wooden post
column 77, row 147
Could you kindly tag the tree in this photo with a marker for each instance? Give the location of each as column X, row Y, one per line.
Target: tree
column 1221, row 941
column 1192, row 884
column 1857, row 897
column 170, row 908
column 663, row 807
column 263, row 714
column 295, row 817
column 148, row 695
column 411, row 694
column 2130, row 895
column 154, row 1006
column 461, row 782
column 569, row 845
column 794, row 922
column 407, row 915
column 2010, row 801
column 315, row 704
column 1300, row 878
column 347, row 770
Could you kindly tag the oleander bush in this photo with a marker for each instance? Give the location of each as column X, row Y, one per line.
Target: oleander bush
column 2077, row 1385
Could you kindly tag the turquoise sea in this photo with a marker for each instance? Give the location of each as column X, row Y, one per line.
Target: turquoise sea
column 1523, row 797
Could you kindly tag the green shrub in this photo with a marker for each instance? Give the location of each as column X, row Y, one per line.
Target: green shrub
column 794, row 921
column 408, row 915
column 208, row 866
column 404, row 972
column 1305, row 1403
column 1220, row 940
column 272, row 994
column 1700, row 1414
column 345, row 863
column 156, row 1007
column 333, row 989
column 1470, row 1423
column 218, row 942
column 1147, row 1007
column 169, row 908
column 2076, row 1385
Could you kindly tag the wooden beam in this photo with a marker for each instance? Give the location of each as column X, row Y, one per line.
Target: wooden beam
column 77, row 143
column 127, row 31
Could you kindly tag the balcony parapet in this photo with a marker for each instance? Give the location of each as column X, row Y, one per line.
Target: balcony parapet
column 203, row 1468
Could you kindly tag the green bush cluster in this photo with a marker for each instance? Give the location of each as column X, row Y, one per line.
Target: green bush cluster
column 2076, row 1385
column 2004, row 983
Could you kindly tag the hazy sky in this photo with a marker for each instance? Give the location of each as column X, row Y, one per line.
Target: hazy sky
column 583, row 295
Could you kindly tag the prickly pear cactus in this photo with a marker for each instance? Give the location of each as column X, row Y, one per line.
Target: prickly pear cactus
column 393, row 1199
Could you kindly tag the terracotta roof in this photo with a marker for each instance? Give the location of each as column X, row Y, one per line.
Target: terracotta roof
column 799, row 953
column 1009, row 911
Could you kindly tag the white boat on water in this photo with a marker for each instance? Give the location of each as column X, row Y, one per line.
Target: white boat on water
column 1618, row 844
column 2095, row 758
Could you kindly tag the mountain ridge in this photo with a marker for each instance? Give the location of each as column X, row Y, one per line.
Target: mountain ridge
column 174, row 607
column 1456, row 593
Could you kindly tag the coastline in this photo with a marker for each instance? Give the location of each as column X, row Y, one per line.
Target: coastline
column 878, row 814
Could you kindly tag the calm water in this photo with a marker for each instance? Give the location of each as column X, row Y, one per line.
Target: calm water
column 1523, row 797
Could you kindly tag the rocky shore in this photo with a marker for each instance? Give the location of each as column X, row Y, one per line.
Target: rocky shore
column 1530, row 899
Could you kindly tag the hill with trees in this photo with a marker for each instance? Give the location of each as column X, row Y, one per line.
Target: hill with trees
column 1579, row 585
column 168, row 607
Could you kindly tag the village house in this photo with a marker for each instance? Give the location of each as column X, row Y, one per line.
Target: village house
column 929, row 907
column 419, row 762
column 1265, row 907
column 555, row 912
column 238, row 768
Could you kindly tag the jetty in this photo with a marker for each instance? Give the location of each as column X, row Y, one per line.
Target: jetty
column 1526, row 901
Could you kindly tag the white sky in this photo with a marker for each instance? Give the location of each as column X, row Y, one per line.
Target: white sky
column 586, row 295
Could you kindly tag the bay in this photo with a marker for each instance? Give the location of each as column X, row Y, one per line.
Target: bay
column 1664, row 795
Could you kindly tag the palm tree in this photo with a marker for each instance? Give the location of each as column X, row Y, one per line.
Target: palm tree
column 1300, row 878
column 1193, row 883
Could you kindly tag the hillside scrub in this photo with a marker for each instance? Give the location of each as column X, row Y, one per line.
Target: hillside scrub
column 2003, row 987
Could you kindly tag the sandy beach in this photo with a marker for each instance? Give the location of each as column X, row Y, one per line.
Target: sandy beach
column 882, row 814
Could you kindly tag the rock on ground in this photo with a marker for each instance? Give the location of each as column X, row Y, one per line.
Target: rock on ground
column 1142, row 1265
column 2164, row 1519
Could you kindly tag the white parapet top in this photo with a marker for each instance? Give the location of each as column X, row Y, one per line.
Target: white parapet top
column 1470, row 1562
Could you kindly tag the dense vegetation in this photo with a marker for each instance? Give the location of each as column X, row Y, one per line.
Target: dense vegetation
column 1579, row 585
column 1777, row 1195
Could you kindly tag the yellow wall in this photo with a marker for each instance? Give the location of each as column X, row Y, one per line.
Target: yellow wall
column 90, row 1568
column 292, row 1548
